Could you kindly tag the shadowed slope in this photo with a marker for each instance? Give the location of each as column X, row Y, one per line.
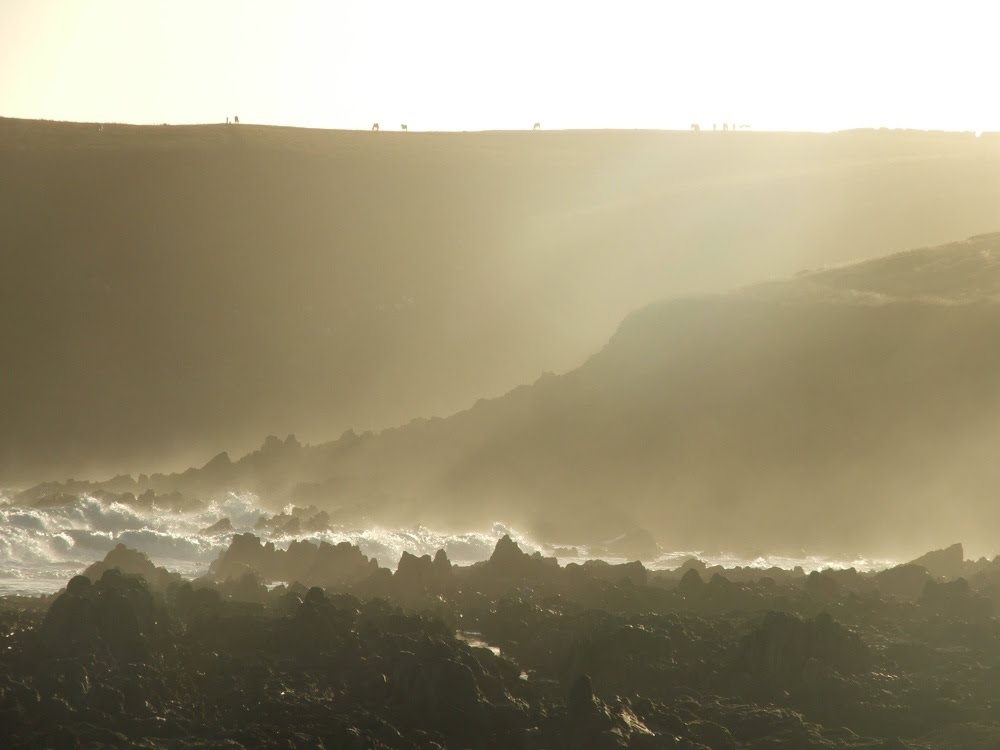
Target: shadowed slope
column 849, row 410
column 170, row 291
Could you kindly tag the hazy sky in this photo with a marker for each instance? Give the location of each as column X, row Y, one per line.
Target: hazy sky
column 463, row 64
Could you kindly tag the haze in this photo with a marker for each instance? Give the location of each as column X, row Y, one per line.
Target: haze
column 468, row 66
column 182, row 291
column 529, row 375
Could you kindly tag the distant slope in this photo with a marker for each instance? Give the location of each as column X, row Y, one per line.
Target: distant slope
column 855, row 409
column 171, row 290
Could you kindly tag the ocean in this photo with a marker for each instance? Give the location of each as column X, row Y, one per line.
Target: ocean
column 42, row 548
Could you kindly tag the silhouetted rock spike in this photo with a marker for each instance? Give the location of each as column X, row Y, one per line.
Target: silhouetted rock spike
column 581, row 696
column 506, row 550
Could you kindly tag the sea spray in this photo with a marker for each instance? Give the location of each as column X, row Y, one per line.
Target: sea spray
column 40, row 548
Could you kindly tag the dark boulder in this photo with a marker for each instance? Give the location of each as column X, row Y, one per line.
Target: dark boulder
column 823, row 588
column 691, row 584
column 133, row 563
column 115, row 616
column 510, row 567
column 784, row 646
column 955, row 600
column 903, row 582
column 633, row 572
column 944, row 563
column 423, row 575
column 339, row 565
column 245, row 552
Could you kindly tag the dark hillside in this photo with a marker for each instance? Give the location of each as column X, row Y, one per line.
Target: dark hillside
column 844, row 411
column 168, row 291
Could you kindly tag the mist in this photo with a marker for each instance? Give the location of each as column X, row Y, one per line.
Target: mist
column 178, row 291
column 533, row 439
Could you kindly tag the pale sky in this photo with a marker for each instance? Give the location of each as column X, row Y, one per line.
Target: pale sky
column 472, row 65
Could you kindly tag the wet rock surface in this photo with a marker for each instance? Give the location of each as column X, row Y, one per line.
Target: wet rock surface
column 514, row 652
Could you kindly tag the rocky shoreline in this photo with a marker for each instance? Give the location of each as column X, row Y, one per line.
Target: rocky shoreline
column 514, row 652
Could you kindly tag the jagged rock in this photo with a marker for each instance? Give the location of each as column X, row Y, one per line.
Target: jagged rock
column 633, row 572
column 508, row 566
column 218, row 463
column 692, row 563
column 325, row 565
column 133, row 563
column 114, row 615
column 271, row 444
column 943, row 563
column 592, row 724
column 589, row 723
column 712, row 735
column 71, row 621
column 273, row 450
column 507, row 553
column 296, row 561
column 319, row 521
column 222, row 663
column 422, row 575
column 954, row 599
column 822, row 587
column 247, row 588
column 784, row 645
column 339, row 565
column 245, row 552
column 691, row 583
column 903, row 582
column 581, row 696
column 622, row 657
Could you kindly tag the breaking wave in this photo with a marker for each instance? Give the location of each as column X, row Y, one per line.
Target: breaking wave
column 40, row 548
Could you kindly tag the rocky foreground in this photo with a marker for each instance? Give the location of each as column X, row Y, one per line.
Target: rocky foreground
column 514, row 652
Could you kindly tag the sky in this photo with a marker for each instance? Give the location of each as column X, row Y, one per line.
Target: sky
column 461, row 65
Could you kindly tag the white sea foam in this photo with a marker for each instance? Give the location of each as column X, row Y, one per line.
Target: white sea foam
column 41, row 548
column 388, row 545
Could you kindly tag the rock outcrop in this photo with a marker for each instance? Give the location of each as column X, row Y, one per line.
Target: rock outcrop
column 133, row 563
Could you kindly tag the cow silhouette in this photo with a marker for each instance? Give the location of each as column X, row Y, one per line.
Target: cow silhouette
column 403, row 127
column 537, row 126
column 375, row 127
